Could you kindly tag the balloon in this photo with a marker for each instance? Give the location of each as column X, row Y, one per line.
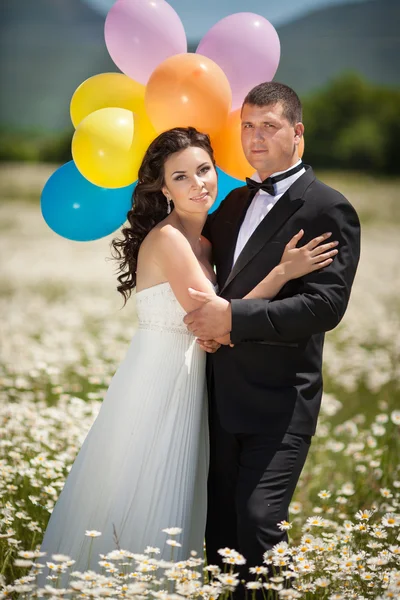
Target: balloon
column 140, row 34
column 104, row 91
column 79, row 210
column 301, row 147
column 109, row 144
column 247, row 48
column 225, row 185
column 188, row 90
column 228, row 149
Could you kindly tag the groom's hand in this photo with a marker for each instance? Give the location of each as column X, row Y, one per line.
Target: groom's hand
column 212, row 320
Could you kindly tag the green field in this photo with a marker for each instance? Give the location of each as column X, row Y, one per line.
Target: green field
column 63, row 334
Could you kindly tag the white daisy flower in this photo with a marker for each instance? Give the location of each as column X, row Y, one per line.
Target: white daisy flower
column 284, row 525
column 61, row 558
column 173, row 530
column 173, row 543
column 378, row 430
column 322, row 582
column 226, row 551
column 152, row 550
column 280, row 549
column 295, row 508
column 395, row 417
column 382, row 418
column 315, row 521
column 364, row 515
column 234, row 559
column 324, row 494
column 391, row 520
column 386, row 493
column 92, row 533
column 347, row 489
column 254, row 585
column 258, row 570
column 22, row 562
column 229, row 579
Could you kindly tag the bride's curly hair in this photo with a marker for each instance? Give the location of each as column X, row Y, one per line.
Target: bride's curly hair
column 149, row 205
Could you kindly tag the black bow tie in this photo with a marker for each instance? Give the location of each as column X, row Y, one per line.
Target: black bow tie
column 268, row 184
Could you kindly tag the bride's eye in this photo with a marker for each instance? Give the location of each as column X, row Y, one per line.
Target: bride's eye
column 205, row 169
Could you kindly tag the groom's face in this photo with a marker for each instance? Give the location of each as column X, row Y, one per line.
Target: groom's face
column 269, row 140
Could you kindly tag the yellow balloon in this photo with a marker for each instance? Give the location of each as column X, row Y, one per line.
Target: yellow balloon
column 109, row 144
column 144, row 135
column 107, row 90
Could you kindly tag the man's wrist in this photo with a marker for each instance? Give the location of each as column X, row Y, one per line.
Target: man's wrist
column 229, row 311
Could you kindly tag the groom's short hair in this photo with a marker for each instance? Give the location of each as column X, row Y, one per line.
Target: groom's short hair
column 272, row 92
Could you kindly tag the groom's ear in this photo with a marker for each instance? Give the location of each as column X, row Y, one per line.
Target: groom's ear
column 298, row 132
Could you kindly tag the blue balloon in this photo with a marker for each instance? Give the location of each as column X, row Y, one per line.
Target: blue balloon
column 81, row 211
column 226, row 184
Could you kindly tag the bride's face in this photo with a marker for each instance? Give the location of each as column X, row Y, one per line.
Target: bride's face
column 190, row 180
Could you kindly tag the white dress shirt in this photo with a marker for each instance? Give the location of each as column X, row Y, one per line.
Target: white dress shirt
column 261, row 205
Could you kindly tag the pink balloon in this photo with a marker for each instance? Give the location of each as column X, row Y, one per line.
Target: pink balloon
column 140, row 34
column 246, row 47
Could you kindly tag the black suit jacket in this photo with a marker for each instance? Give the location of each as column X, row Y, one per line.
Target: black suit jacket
column 271, row 381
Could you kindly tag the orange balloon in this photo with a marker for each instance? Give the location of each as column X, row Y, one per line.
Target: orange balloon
column 228, row 150
column 301, row 147
column 188, row 90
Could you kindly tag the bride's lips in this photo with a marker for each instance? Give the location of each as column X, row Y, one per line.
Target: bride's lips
column 200, row 198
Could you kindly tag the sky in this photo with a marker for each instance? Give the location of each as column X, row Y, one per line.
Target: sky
column 198, row 16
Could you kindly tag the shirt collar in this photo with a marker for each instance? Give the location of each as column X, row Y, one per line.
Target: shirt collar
column 280, row 186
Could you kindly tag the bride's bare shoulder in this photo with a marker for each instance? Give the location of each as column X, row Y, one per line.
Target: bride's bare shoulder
column 163, row 231
column 164, row 236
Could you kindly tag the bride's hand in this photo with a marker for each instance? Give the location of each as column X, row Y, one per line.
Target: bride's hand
column 212, row 346
column 297, row 262
column 209, row 346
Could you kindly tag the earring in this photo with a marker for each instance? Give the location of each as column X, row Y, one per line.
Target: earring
column 169, row 205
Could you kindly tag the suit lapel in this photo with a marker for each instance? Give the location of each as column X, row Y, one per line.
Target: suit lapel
column 286, row 206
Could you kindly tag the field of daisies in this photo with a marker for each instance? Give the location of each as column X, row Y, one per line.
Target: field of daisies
column 63, row 334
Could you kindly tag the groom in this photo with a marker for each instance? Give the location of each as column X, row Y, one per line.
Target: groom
column 265, row 390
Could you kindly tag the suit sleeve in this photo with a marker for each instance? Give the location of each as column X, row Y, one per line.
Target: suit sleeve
column 323, row 295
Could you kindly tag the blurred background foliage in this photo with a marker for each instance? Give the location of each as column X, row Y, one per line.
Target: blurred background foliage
column 353, row 124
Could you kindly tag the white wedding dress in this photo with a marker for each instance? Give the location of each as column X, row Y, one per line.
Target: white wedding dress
column 143, row 465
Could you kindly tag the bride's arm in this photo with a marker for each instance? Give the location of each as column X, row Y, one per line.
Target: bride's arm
column 295, row 262
column 178, row 263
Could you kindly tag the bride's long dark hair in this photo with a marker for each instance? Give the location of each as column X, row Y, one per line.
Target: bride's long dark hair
column 149, row 205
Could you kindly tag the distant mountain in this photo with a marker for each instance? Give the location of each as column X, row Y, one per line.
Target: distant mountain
column 48, row 47
column 362, row 37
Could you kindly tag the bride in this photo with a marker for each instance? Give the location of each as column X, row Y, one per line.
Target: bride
column 143, row 465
